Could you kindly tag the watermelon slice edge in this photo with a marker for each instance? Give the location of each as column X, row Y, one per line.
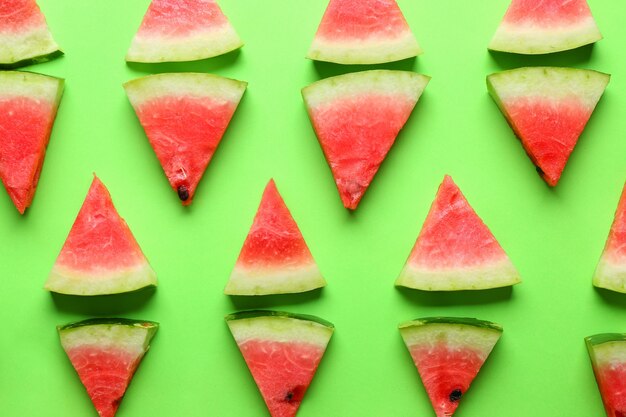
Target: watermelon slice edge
column 607, row 352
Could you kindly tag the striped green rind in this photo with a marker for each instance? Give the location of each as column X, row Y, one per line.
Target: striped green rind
column 109, row 321
column 32, row 60
column 465, row 321
column 606, row 348
column 267, row 313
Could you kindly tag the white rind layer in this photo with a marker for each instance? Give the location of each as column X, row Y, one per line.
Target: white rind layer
column 28, row 84
column 17, row 47
column 150, row 87
column 280, row 329
column 67, row 281
column 387, row 82
column 531, row 39
column 120, row 336
column 610, row 276
column 608, row 352
column 494, row 275
column 374, row 50
column 550, row 83
column 482, row 339
column 264, row 281
column 199, row 45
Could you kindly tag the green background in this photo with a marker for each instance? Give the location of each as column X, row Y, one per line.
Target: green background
column 554, row 236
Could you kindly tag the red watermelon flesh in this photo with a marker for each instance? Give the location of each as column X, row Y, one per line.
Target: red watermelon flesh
column 611, row 270
column 182, row 30
column 274, row 258
column 282, row 352
column 24, row 34
column 185, row 117
column 363, row 32
column 106, row 353
column 455, row 250
column 448, row 354
column 549, row 13
column 548, row 109
column 357, row 118
column 28, row 106
column 608, row 357
column 100, row 254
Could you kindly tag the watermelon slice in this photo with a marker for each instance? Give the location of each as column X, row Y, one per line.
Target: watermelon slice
column 356, row 118
column 541, row 27
column 274, row 259
column 28, row 107
column 608, row 358
column 25, row 36
column 182, row 30
column 100, row 255
column 448, row 353
column 106, row 353
column 184, row 116
column 282, row 351
column 363, row 32
column 611, row 270
column 455, row 250
column 548, row 109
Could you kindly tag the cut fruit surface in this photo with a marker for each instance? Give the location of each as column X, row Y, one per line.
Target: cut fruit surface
column 182, row 30
column 611, row 270
column 363, row 32
column 282, row 351
column 532, row 27
column 106, row 353
column 357, row 118
column 100, row 255
column 28, row 107
column 455, row 250
column 184, row 116
column 608, row 358
column 448, row 353
column 274, row 259
column 24, row 35
column 548, row 109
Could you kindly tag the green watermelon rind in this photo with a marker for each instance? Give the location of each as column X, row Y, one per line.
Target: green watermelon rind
column 119, row 332
column 271, row 281
column 610, row 276
column 31, row 84
column 462, row 321
column 40, row 59
column 109, row 321
column 33, row 46
column 530, row 40
column 248, row 314
column 601, row 338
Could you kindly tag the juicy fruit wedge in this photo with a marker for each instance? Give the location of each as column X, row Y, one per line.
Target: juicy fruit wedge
column 608, row 357
column 541, row 27
column 24, row 35
column 182, row 30
column 28, row 107
column 100, row 255
column 106, row 353
column 611, row 270
column 357, row 118
column 184, row 116
column 548, row 109
column 363, row 32
column 282, row 351
column 455, row 250
column 448, row 353
column 274, row 259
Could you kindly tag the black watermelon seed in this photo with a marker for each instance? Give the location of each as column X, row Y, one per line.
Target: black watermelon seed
column 289, row 396
column 456, row 395
column 183, row 192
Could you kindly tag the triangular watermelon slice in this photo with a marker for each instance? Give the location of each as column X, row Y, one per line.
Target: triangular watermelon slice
column 274, row 259
column 282, row 351
column 357, row 118
column 24, row 35
column 611, row 270
column 455, row 250
column 106, row 353
column 184, row 116
column 100, row 255
column 608, row 358
column 541, row 27
column 448, row 353
column 182, row 30
column 363, row 32
column 548, row 109
column 28, row 104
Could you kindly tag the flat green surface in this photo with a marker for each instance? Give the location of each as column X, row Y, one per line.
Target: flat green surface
column 554, row 236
